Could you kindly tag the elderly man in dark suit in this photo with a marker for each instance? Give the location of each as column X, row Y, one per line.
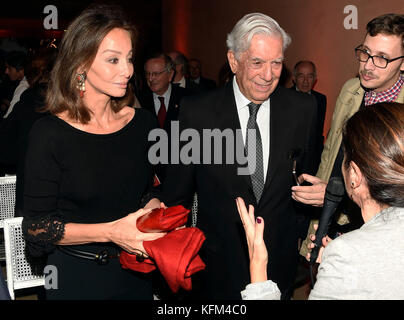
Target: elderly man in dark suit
column 161, row 97
column 274, row 124
column 304, row 78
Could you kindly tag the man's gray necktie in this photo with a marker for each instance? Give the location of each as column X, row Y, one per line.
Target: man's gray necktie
column 257, row 176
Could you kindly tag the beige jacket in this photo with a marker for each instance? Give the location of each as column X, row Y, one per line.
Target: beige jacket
column 348, row 103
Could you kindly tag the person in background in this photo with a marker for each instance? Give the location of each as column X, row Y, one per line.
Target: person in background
column 14, row 130
column 198, row 83
column 180, row 63
column 86, row 171
column 304, row 78
column 366, row 263
column 161, row 98
column 15, row 65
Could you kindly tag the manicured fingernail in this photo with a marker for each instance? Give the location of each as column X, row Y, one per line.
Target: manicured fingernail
column 259, row 220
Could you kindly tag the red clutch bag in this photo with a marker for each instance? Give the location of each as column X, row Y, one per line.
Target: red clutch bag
column 176, row 254
column 163, row 220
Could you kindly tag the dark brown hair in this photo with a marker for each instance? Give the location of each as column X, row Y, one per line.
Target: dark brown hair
column 78, row 48
column 373, row 138
column 40, row 65
column 391, row 24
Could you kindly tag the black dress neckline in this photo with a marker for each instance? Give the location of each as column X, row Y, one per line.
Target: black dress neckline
column 99, row 135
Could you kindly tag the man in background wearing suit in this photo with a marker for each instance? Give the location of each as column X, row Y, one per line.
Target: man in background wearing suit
column 282, row 120
column 180, row 65
column 304, row 78
column 198, row 83
column 163, row 98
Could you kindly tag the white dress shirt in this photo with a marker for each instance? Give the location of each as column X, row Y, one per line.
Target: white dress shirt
column 166, row 96
column 182, row 82
column 263, row 117
column 22, row 86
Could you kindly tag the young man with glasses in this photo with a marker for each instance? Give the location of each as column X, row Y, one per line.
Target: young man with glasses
column 381, row 66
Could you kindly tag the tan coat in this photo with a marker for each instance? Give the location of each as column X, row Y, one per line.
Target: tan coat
column 348, row 103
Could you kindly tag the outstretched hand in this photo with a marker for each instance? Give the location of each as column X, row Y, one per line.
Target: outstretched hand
column 254, row 229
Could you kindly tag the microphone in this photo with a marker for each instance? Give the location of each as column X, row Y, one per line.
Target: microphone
column 333, row 195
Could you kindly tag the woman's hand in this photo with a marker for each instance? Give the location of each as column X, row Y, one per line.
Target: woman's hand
column 325, row 241
column 154, row 204
column 125, row 233
column 257, row 250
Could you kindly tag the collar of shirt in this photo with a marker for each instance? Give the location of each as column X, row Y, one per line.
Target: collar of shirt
column 182, row 82
column 197, row 80
column 166, row 96
column 242, row 102
column 263, row 120
column 372, row 97
column 309, row 92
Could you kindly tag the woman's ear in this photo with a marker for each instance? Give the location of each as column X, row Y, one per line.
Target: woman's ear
column 355, row 175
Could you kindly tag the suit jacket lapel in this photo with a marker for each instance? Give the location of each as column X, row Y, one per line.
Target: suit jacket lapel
column 278, row 119
column 227, row 117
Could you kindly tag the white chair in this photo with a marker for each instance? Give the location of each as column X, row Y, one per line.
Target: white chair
column 7, row 198
column 19, row 271
column 7, row 205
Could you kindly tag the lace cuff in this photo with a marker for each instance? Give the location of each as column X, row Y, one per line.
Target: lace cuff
column 41, row 234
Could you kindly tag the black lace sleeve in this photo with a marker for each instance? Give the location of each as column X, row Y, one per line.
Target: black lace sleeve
column 43, row 223
column 41, row 234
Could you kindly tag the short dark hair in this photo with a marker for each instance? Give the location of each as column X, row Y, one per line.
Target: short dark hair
column 305, row 61
column 16, row 59
column 373, row 138
column 181, row 59
column 391, row 24
column 160, row 55
column 40, row 65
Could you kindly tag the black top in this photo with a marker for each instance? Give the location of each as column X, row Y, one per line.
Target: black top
column 75, row 176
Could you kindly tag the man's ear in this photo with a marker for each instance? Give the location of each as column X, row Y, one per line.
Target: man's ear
column 233, row 63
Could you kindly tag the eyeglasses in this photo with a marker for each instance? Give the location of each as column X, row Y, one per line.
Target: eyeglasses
column 154, row 74
column 379, row 61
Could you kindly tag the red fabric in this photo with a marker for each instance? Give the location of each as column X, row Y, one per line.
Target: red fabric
column 163, row 220
column 175, row 254
column 156, row 181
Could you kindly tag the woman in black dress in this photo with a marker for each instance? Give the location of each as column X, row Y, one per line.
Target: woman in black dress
column 87, row 173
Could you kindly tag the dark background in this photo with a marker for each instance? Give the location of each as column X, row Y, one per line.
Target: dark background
column 23, row 22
